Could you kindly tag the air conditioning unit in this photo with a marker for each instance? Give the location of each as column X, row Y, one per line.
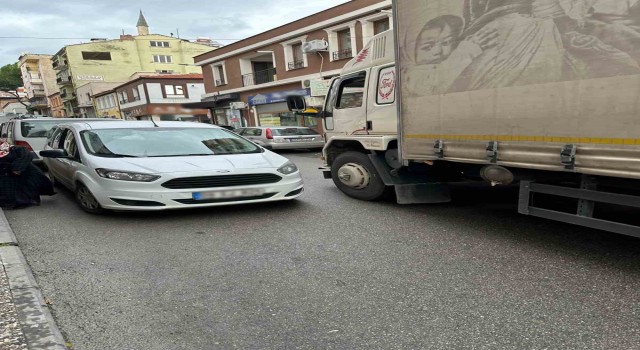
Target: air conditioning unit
column 314, row 46
column 306, row 83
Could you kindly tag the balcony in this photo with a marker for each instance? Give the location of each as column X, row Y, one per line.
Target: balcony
column 38, row 92
column 38, row 101
column 64, row 81
column 295, row 64
column 259, row 77
column 63, row 94
column 342, row 54
column 60, row 65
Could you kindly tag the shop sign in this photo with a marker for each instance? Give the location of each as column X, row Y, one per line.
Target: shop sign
column 90, row 77
column 275, row 97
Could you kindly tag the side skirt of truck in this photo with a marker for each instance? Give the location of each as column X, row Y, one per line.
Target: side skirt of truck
column 588, row 195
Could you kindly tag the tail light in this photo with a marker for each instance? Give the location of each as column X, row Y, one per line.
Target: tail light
column 24, row 144
column 269, row 134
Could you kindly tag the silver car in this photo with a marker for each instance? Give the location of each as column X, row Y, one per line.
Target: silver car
column 148, row 165
column 283, row 137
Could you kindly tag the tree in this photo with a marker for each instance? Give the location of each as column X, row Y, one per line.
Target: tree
column 11, row 80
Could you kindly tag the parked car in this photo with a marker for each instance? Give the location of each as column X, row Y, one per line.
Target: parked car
column 147, row 165
column 283, row 137
column 31, row 133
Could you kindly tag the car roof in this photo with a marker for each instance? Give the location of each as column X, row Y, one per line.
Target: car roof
column 130, row 124
column 61, row 120
column 277, row 127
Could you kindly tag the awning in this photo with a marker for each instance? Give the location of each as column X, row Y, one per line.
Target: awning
column 212, row 102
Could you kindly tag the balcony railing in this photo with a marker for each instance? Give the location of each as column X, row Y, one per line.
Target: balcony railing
column 342, row 54
column 221, row 82
column 259, row 77
column 295, row 64
column 39, row 101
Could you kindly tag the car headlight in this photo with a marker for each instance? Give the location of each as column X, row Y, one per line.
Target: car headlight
column 288, row 168
column 126, row 176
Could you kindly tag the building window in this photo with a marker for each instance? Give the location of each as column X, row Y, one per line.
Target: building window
column 174, row 90
column 123, row 97
column 293, row 53
column 96, row 56
column 380, row 26
column 136, row 94
column 342, row 41
column 219, row 76
column 159, row 44
column 162, row 59
column 344, row 45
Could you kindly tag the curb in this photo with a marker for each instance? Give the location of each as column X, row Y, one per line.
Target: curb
column 38, row 325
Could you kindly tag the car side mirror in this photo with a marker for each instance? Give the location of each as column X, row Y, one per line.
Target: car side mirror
column 54, row 153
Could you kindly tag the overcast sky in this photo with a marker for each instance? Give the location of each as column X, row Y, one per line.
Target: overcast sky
column 51, row 21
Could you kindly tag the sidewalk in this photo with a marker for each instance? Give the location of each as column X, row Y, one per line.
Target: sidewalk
column 25, row 320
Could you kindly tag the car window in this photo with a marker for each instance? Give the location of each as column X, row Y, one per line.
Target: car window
column 164, row 142
column 10, row 132
column 54, row 139
column 70, row 144
column 293, row 132
column 36, row 128
column 253, row 132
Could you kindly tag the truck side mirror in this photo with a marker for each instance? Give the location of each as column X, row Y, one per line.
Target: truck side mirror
column 296, row 103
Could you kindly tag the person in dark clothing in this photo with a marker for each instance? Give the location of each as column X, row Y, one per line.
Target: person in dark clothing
column 21, row 182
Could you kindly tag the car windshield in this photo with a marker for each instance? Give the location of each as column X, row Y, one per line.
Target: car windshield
column 36, row 128
column 294, row 132
column 164, row 142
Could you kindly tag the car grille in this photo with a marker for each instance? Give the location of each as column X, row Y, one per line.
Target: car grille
column 223, row 200
column 221, row 181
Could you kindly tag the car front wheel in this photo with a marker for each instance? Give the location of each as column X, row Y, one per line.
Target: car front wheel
column 354, row 174
column 87, row 201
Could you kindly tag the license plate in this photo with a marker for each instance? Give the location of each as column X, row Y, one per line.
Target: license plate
column 227, row 194
column 299, row 140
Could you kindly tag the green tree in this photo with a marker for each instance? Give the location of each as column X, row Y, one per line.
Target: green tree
column 11, row 80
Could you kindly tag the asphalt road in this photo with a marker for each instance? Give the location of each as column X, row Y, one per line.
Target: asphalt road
column 329, row 272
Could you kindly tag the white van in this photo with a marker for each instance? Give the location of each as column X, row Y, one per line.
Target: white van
column 31, row 133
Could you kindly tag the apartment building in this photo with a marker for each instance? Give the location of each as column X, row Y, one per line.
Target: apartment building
column 158, row 97
column 106, row 104
column 39, row 80
column 108, row 61
column 85, row 98
column 247, row 82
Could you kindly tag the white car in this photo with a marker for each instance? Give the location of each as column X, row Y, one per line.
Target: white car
column 147, row 165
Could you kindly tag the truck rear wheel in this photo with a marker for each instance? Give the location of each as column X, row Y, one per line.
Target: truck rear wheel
column 354, row 174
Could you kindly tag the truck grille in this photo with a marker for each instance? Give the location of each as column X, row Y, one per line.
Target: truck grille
column 221, row 181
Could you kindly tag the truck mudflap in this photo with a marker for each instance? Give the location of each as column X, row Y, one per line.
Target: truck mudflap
column 587, row 195
column 410, row 188
column 326, row 171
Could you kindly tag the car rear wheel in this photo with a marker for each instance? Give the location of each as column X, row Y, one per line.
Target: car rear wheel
column 87, row 201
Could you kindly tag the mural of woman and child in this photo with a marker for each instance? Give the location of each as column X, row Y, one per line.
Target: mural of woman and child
column 501, row 43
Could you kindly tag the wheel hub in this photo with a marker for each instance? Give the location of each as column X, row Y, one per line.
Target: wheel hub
column 354, row 175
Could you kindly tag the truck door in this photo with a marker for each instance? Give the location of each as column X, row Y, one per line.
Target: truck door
column 345, row 111
column 381, row 106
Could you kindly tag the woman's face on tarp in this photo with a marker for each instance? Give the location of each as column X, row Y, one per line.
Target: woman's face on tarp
column 435, row 44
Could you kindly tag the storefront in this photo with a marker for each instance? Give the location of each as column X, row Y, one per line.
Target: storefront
column 165, row 113
column 270, row 109
column 225, row 109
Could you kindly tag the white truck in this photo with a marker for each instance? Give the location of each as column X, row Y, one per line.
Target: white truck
column 543, row 94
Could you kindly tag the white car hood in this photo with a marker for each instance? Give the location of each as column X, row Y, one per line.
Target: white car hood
column 164, row 165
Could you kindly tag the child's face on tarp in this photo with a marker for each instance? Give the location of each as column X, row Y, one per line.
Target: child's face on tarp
column 435, row 44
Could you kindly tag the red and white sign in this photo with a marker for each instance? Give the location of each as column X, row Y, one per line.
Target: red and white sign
column 387, row 86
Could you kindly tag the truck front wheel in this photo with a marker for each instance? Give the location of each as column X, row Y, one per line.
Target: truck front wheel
column 354, row 174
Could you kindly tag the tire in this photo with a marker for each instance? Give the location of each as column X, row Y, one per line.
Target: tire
column 360, row 179
column 87, row 201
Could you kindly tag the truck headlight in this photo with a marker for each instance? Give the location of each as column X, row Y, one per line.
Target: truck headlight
column 126, row 176
column 288, row 168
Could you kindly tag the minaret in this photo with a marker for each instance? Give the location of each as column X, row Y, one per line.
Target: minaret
column 143, row 27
